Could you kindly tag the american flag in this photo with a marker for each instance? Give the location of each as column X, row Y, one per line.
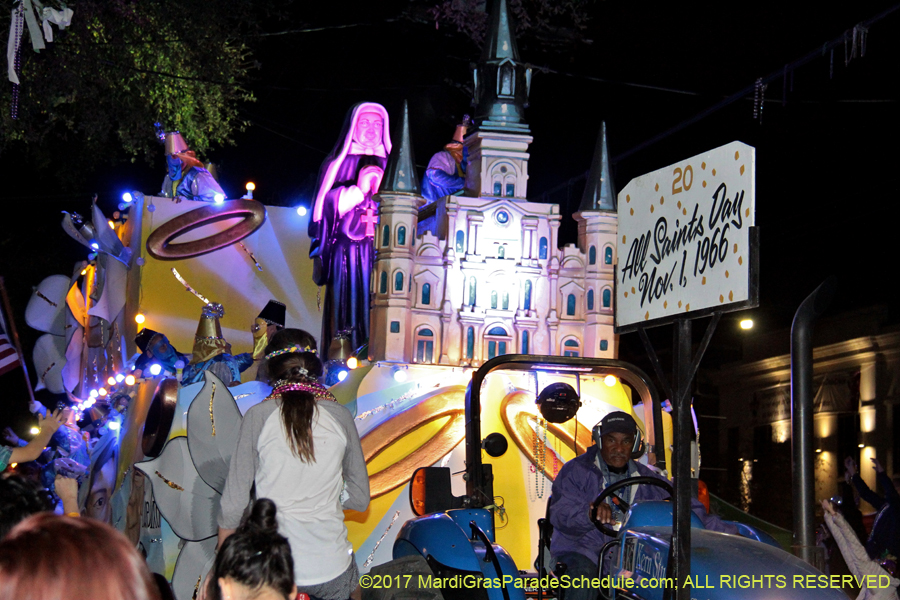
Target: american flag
column 9, row 358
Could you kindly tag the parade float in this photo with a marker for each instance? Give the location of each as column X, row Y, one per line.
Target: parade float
column 156, row 338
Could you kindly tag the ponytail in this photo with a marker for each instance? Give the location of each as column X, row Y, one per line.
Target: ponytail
column 296, row 374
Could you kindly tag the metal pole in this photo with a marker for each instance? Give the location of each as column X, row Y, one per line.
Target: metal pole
column 680, row 551
column 14, row 334
column 802, row 419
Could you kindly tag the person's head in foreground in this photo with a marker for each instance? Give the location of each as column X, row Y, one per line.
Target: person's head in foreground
column 255, row 562
column 47, row 556
column 20, row 498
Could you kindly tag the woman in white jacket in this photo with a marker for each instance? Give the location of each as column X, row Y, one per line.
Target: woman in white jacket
column 864, row 569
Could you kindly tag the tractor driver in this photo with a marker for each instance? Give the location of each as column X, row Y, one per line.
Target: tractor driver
column 576, row 542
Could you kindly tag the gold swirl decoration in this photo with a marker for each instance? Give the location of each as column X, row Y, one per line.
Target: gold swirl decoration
column 445, row 404
column 160, row 243
column 518, row 408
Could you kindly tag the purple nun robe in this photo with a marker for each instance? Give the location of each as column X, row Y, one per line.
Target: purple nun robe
column 342, row 247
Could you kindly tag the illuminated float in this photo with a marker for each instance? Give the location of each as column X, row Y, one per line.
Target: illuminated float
column 453, row 282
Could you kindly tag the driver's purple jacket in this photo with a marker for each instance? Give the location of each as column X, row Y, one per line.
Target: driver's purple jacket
column 576, row 486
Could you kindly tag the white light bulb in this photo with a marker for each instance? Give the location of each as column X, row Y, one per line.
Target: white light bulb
column 302, row 210
column 155, row 369
column 219, row 198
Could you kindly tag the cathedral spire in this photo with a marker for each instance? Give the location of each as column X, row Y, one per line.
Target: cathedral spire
column 501, row 42
column 599, row 193
column 400, row 172
column 502, row 81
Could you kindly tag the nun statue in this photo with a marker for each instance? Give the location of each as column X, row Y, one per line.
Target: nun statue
column 342, row 228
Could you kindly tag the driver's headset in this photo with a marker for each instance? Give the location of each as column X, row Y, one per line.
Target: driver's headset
column 637, row 450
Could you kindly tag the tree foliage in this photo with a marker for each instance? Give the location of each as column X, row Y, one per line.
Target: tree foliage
column 122, row 65
column 554, row 23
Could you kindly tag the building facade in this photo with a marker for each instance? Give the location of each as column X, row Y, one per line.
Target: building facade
column 473, row 276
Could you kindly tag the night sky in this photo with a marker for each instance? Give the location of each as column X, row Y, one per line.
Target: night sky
column 827, row 193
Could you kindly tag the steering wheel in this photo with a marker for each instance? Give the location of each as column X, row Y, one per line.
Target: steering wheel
column 604, row 529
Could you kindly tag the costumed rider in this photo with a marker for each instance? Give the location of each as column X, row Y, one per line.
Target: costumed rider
column 156, row 348
column 576, row 542
column 446, row 172
column 269, row 322
column 342, row 228
column 212, row 353
column 186, row 177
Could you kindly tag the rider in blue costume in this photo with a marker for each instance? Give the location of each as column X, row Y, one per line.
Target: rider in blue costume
column 446, row 172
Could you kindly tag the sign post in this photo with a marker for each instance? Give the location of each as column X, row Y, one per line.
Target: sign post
column 687, row 248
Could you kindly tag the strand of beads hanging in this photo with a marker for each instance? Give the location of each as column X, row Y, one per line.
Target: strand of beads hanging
column 540, row 457
column 18, row 20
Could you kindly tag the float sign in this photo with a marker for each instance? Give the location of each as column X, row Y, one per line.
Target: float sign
column 684, row 239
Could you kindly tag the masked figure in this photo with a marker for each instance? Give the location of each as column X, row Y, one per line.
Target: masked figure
column 213, row 353
column 155, row 347
column 446, row 172
column 342, row 228
column 187, row 177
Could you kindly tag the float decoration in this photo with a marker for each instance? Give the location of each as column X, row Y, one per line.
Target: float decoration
column 161, row 243
column 184, row 499
column 342, row 228
column 213, row 425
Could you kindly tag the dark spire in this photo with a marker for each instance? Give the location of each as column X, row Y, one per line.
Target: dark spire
column 599, row 193
column 400, row 173
column 502, row 82
column 501, row 42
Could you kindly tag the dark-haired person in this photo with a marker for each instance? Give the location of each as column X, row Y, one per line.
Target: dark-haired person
column 50, row 556
column 21, row 498
column 281, row 339
column 302, row 450
column 885, row 534
column 255, row 561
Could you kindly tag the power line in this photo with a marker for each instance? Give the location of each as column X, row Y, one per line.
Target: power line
column 780, row 73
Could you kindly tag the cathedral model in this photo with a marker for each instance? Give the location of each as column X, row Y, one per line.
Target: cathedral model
column 469, row 277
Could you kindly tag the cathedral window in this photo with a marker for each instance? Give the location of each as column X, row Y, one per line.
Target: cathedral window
column 385, row 236
column 382, row 288
column 510, row 190
column 604, row 345
column 505, row 300
column 498, row 188
column 524, row 342
column 493, row 298
column 571, row 347
column 542, row 248
column 398, row 281
column 570, row 305
column 590, row 299
column 401, row 236
column 425, row 346
column 607, row 298
column 472, row 296
column 501, row 251
column 460, row 242
column 426, row 294
column 527, row 304
column 470, row 342
column 498, row 341
column 592, row 255
column 607, row 255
